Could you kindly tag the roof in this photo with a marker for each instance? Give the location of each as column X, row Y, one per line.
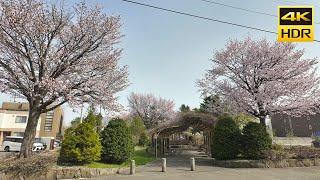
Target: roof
column 15, row 106
column 184, row 120
column 19, row 106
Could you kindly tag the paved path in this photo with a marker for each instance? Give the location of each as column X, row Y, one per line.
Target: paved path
column 178, row 168
column 4, row 154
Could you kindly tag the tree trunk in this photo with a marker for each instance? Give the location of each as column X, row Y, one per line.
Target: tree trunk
column 30, row 132
column 262, row 114
column 268, row 125
column 263, row 120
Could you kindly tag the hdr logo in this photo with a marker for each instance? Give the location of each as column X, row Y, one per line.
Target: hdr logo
column 295, row 24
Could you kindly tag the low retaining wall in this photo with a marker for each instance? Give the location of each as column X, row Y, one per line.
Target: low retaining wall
column 293, row 141
column 267, row 163
column 68, row 173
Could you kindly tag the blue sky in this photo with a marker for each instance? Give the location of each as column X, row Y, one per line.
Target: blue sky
column 166, row 53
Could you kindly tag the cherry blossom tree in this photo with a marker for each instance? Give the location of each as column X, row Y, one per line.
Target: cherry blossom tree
column 152, row 110
column 50, row 56
column 262, row 78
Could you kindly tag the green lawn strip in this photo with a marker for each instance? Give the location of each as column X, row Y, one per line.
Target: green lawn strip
column 140, row 156
column 105, row 165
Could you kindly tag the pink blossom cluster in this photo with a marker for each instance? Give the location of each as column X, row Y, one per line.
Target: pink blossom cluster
column 50, row 55
column 152, row 110
column 262, row 78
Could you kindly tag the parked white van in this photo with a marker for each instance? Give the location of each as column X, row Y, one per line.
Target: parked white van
column 13, row 143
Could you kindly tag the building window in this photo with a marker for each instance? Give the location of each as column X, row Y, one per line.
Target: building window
column 18, row 134
column 48, row 122
column 21, row 119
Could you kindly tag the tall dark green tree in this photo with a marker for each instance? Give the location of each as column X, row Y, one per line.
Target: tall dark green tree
column 213, row 105
column 95, row 119
column 137, row 128
column 92, row 117
column 75, row 122
column 184, row 108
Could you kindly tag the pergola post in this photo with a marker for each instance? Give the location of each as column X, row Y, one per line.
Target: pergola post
column 210, row 140
column 160, row 147
column 163, row 146
column 155, row 147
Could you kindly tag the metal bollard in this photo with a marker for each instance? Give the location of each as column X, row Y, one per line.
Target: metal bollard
column 193, row 164
column 133, row 167
column 164, row 164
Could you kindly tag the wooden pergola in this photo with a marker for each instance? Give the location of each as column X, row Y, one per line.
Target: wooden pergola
column 199, row 121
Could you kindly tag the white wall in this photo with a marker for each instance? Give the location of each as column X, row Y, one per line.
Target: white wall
column 7, row 120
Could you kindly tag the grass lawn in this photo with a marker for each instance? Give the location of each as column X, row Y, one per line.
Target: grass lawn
column 140, row 156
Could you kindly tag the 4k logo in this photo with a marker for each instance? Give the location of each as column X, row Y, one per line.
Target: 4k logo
column 295, row 24
column 296, row 16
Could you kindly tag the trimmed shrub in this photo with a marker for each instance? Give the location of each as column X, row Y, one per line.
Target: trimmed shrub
column 81, row 145
column 255, row 140
column 117, row 142
column 226, row 139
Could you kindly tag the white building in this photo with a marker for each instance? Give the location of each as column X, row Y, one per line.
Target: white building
column 14, row 117
column 13, row 123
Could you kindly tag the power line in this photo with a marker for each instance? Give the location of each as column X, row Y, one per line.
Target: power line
column 242, row 9
column 238, row 8
column 202, row 17
column 199, row 17
column 294, row 2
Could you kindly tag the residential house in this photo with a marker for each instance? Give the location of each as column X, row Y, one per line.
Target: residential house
column 14, row 116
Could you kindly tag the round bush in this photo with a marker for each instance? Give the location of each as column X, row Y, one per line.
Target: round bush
column 255, row 140
column 80, row 145
column 117, row 142
column 226, row 139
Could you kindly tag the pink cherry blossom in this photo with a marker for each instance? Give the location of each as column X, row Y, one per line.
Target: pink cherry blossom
column 263, row 78
column 152, row 110
column 50, row 56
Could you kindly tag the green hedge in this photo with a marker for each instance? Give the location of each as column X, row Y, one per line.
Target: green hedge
column 255, row 140
column 226, row 139
column 117, row 142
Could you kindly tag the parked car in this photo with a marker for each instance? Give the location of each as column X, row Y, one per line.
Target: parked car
column 41, row 141
column 56, row 143
column 13, row 143
column 38, row 147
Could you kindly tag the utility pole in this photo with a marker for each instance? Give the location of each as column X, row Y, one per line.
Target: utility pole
column 81, row 113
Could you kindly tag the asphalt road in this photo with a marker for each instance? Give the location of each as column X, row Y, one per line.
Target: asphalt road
column 214, row 173
column 178, row 168
column 3, row 154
